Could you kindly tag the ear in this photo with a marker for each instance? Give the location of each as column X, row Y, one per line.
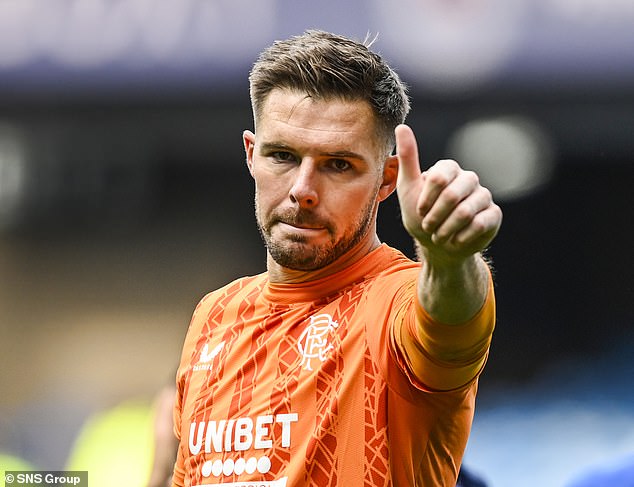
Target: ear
column 390, row 173
column 248, row 138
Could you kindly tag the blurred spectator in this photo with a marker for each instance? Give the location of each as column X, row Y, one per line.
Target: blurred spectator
column 165, row 442
column 618, row 474
column 116, row 444
column 468, row 479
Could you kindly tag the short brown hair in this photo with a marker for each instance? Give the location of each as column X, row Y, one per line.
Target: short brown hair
column 325, row 65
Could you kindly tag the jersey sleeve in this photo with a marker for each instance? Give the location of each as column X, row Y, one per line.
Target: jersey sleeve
column 441, row 357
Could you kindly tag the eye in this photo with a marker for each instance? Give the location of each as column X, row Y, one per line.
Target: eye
column 340, row 164
column 283, row 156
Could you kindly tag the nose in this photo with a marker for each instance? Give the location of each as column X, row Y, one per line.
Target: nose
column 304, row 189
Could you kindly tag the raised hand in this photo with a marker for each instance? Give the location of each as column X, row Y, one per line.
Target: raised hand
column 444, row 208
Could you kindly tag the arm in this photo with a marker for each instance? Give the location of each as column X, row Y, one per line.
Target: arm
column 452, row 219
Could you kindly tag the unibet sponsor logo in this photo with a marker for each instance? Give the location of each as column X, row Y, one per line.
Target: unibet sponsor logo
column 239, row 434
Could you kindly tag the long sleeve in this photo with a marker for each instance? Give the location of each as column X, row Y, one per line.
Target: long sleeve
column 444, row 357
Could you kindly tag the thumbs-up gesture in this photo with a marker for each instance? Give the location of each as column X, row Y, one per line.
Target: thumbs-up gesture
column 444, row 208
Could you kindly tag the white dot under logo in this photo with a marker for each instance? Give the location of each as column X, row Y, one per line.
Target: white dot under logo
column 251, row 465
column 207, row 468
column 227, row 468
column 264, row 464
column 240, row 466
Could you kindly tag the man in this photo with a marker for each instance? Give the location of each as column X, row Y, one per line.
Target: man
column 345, row 363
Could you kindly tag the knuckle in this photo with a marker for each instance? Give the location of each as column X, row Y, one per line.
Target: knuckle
column 464, row 213
column 494, row 213
column 451, row 196
column 437, row 178
column 472, row 176
column 448, row 163
column 479, row 224
column 486, row 194
column 429, row 223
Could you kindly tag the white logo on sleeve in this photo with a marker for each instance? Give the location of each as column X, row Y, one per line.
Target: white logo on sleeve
column 314, row 341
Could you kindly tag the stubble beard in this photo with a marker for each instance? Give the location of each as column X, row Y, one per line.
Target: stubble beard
column 297, row 253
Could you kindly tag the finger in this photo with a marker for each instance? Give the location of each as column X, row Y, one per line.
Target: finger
column 463, row 214
column 481, row 231
column 407, row 152
column 445, row 186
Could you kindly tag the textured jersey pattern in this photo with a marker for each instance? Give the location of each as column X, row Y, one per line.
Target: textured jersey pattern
column 300, row 386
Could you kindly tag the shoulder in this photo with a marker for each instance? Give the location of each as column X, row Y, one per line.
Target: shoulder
column 237, row 290
column 395, row 262
column 396, row 274
column 241, row 285
column 224, row 297
column 216, row 303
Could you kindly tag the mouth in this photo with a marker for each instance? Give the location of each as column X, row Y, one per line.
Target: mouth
column 299, row 225
column 302, row 227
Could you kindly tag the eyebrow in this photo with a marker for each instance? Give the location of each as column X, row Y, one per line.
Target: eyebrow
column 344, row 154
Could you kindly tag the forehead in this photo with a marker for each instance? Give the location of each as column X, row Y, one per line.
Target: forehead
column 296, row 115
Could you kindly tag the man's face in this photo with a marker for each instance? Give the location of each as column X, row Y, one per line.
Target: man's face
column 319, row 177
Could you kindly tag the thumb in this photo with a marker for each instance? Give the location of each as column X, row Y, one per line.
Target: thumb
column 407, row 152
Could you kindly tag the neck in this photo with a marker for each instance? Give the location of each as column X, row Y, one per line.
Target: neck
column 284, row 275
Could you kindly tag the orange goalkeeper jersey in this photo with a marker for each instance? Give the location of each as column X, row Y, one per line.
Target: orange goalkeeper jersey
column 335, row 382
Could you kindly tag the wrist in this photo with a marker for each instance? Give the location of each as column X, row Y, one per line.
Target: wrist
column 440, row 258
column 451, row 288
